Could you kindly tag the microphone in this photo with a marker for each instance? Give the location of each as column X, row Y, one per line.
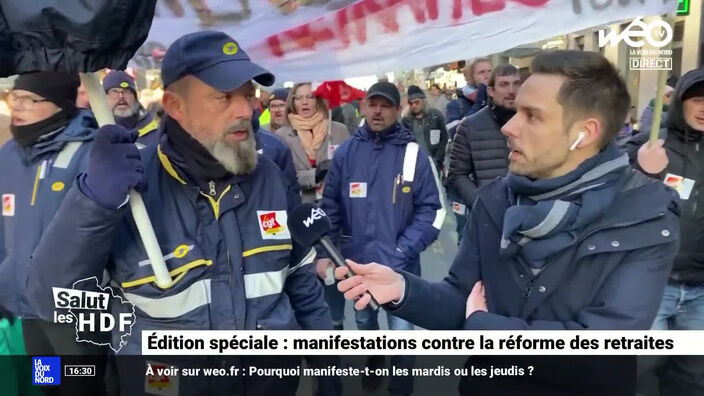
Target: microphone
column 310, row 225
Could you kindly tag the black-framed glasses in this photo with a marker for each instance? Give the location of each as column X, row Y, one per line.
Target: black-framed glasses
column 24, row 102
column 115, row 93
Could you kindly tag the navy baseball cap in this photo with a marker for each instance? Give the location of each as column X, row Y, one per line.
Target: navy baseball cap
column 214, row 58
column 118, row 79
column 279, row 94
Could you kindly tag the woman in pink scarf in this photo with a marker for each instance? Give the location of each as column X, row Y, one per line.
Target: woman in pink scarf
column 312, row 138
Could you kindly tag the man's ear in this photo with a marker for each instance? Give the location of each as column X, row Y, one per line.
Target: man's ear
column 490, row 91
column 172, row 105
column 593, row 133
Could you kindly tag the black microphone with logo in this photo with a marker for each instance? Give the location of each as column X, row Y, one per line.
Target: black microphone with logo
column 310, row 225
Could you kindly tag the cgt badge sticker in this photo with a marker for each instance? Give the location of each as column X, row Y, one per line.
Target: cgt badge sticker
column 272, row 224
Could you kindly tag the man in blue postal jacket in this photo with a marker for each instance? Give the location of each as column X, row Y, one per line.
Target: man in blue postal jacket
column 219, row 211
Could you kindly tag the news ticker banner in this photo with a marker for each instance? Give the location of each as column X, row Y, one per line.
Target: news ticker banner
column 564, row 342
column 334, row 39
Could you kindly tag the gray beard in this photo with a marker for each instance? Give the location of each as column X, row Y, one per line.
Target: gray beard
column 132, row 111
column 240, row 159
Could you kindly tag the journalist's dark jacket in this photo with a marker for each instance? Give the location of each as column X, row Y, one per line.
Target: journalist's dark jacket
column 685, row 152
column 611, row 278
column 478, row 156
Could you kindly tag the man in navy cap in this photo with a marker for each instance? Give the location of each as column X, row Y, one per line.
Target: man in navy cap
column 219, row 211
column 129, row 113
column 389, row 209
column 276, row 117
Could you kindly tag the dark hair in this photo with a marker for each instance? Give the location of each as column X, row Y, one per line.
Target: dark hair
column 502, row 70
column 320, row 102
column 593, row 88
column 436, row 86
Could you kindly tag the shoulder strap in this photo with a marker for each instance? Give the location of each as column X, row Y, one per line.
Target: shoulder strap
column 409, row 161
column 64, row 158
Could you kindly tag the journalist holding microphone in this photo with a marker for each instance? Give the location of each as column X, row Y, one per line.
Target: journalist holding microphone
column 571, row 238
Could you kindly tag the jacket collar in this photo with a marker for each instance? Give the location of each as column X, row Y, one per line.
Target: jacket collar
column 500, row 114
column 396, row 134
column 640, row 200
column 147, row 125
column 80, row 129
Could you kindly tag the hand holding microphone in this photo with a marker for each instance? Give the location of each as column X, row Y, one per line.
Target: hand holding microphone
column 361, row 281
column 310, row 225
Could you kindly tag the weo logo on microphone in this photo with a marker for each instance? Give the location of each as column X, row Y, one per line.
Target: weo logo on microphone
column 657, row 34
column 96, row 311
column 315, row 214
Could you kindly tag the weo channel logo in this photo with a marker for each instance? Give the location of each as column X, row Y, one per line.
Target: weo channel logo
column 658, row 33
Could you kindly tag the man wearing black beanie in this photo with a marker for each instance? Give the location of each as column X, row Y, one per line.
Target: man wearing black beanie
column 50, row 147
column 41, row 103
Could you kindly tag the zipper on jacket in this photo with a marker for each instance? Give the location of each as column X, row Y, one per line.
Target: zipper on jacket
column 211, row 185
column 529, row 287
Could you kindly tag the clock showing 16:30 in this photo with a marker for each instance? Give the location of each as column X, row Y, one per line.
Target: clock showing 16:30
column 79, row 370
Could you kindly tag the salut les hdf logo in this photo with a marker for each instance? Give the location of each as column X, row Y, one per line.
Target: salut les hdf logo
column 100, row 316
column 46, row 370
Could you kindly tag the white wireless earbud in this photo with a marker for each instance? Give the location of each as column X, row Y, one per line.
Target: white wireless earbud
column 581, row 136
